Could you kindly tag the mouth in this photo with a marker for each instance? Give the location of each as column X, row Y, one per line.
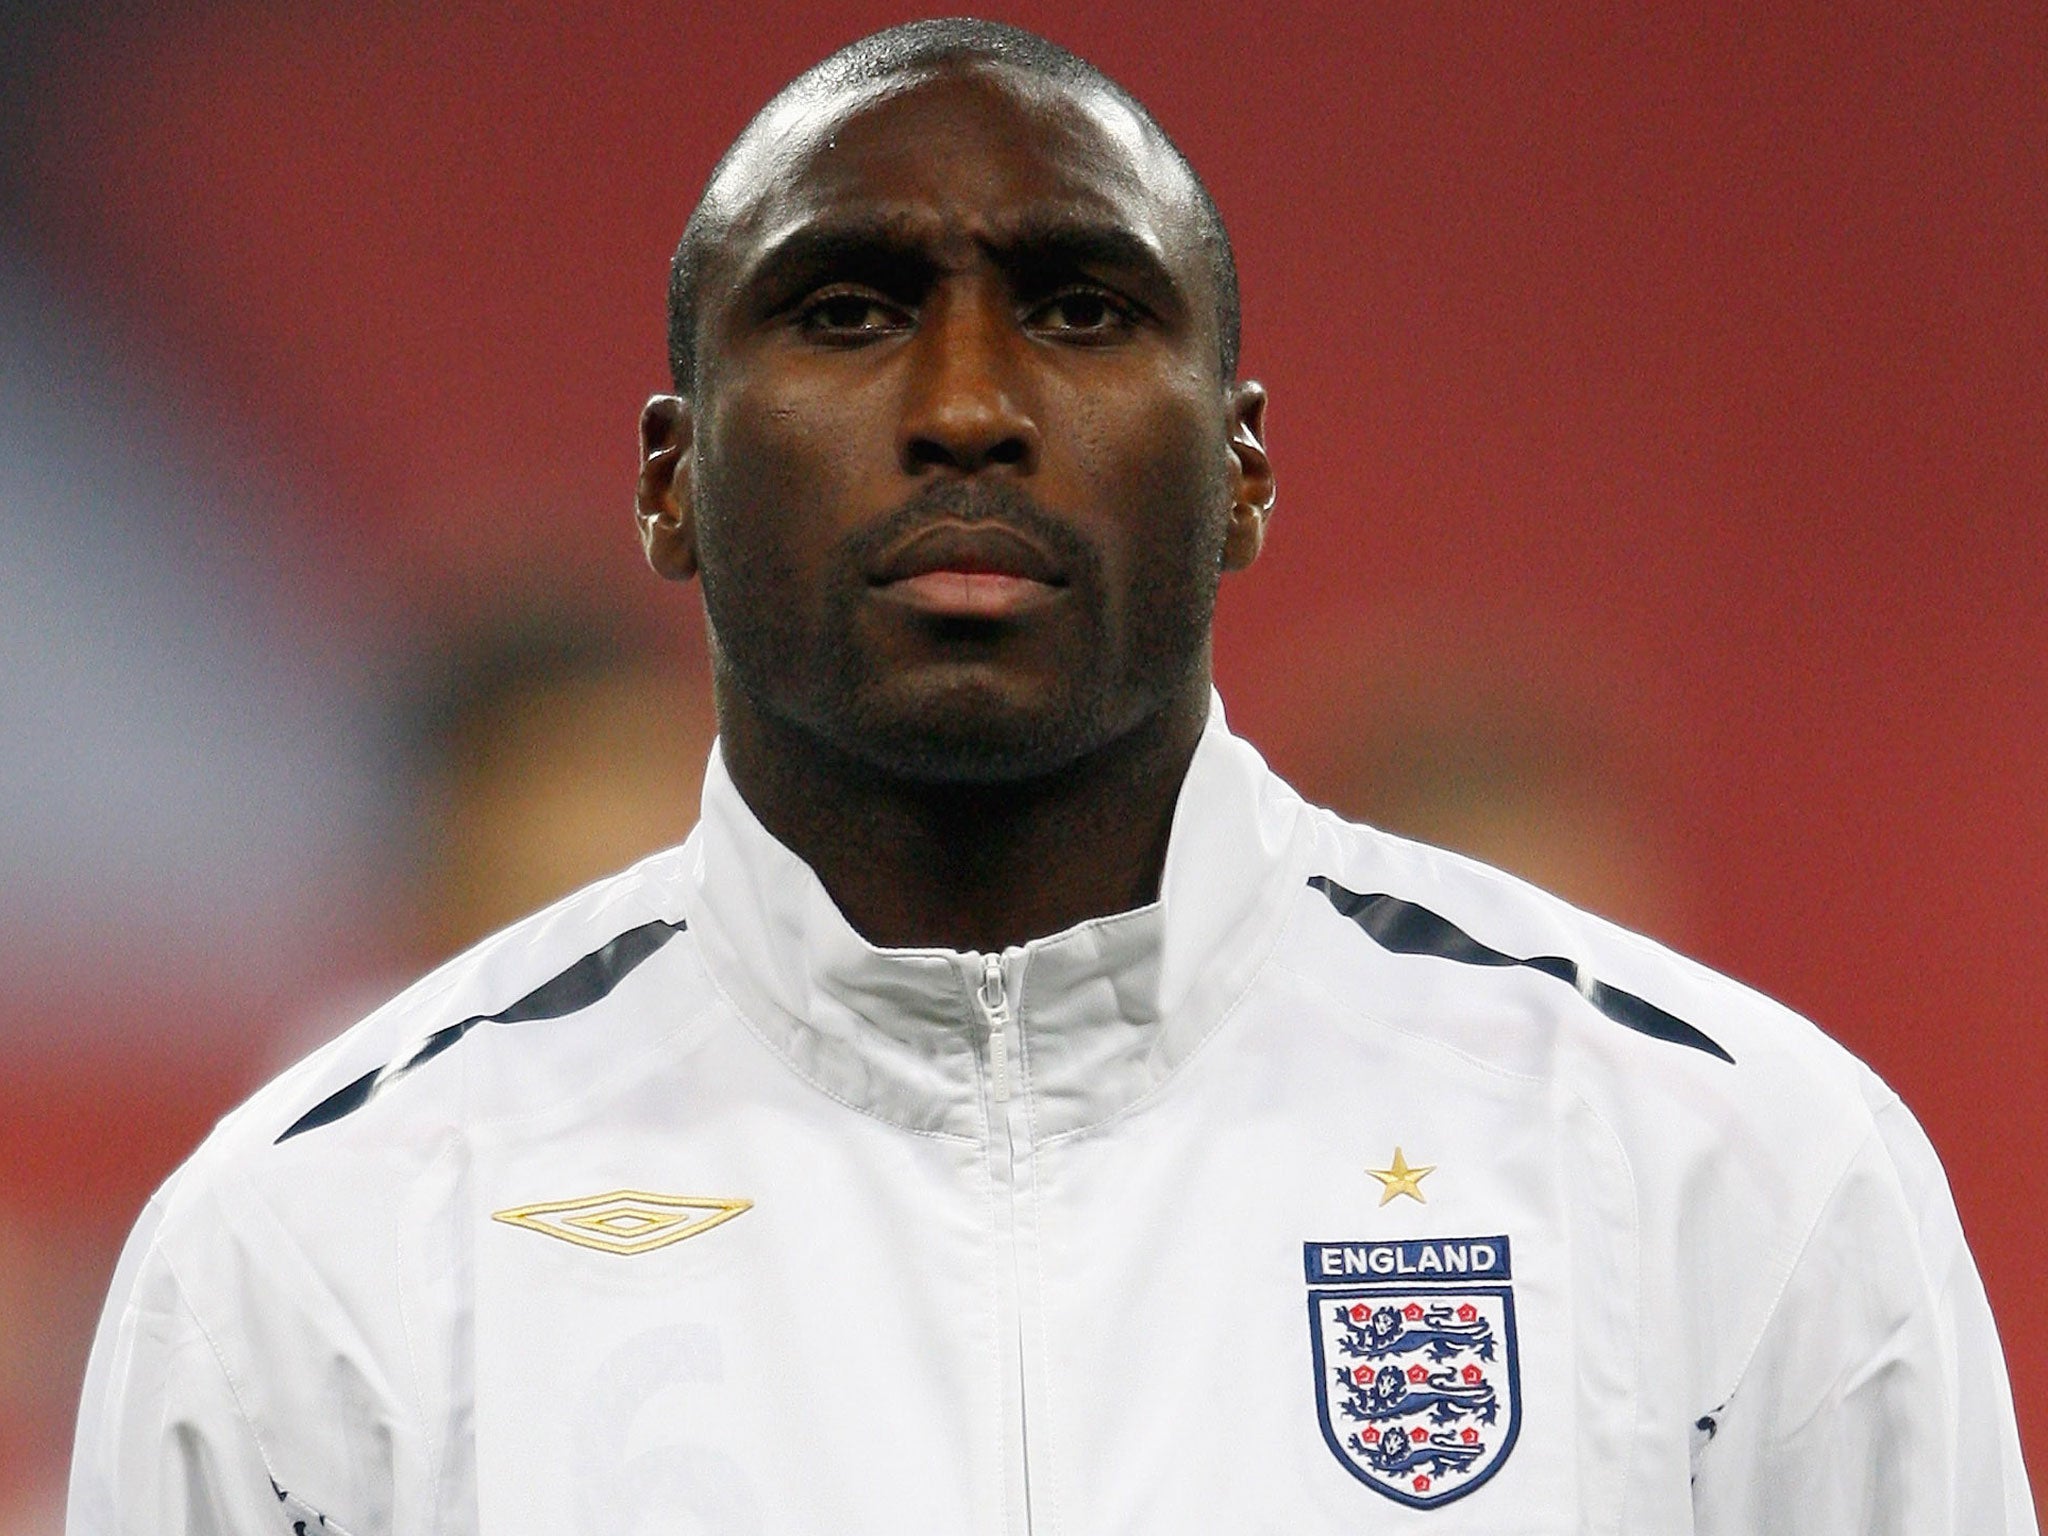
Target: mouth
column 982, row 570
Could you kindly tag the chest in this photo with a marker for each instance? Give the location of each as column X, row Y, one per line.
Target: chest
column 1361, row 1286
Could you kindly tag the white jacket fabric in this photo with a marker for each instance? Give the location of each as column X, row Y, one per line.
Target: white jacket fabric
column 1352, row 1186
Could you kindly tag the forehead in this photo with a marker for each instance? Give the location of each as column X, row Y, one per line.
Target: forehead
column 958, row 149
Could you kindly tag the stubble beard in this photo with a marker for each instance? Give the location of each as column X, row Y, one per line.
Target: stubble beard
column 812, row 673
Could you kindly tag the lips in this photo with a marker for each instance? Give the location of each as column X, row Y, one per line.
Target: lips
column 980, row 549
column 982, row 570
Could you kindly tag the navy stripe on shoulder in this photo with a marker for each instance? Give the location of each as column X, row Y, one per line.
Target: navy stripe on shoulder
column 575, row 989
column 1403, row 928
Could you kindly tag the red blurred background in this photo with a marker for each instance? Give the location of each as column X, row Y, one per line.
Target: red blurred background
column 1659, row 397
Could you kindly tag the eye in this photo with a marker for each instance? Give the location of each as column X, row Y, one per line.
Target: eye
column 849, row 317
column 1082, row 314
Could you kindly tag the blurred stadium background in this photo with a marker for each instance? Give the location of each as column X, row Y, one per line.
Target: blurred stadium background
column 1660, row 410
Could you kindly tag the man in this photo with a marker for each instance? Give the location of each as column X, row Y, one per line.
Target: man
column 1013, row 1109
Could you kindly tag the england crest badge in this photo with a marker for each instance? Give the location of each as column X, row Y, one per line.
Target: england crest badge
column 1417, row 1383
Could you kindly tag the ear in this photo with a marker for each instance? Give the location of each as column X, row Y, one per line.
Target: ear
column 1252, row 488
column 663, row 500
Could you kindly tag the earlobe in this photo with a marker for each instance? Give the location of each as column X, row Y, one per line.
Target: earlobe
column 1252, row 491
column 662, row 499
column 1245, row 537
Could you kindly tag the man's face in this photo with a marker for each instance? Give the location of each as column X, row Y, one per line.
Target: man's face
column 960, row 464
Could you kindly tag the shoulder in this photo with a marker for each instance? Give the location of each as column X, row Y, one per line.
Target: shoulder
column 308, row 1257
column 1714, row 1134
column 1683, row 1063
column 494, row 1033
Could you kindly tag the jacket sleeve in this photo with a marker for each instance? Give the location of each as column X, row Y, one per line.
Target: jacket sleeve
column 1876, row 1399
column 164, row 1446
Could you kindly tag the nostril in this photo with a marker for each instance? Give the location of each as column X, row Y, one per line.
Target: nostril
column 936, row 452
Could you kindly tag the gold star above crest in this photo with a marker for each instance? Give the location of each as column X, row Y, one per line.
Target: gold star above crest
column 1401, row 1179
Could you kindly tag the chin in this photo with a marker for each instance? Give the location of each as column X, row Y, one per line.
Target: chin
column 970, row 735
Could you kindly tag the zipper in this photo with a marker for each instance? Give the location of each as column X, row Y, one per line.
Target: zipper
column 993, row 999
column 992, row 1004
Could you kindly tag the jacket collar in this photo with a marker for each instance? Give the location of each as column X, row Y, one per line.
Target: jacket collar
column 1103, row 1012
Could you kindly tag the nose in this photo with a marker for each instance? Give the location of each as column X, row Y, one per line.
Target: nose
column 966, row 409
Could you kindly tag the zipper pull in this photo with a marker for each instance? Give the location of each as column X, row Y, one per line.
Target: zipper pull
column 994, row 1001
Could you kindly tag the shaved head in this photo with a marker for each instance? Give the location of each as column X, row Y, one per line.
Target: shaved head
column 873, row 65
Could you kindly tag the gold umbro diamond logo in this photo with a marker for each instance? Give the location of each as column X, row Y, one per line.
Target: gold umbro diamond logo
column 626, row 1220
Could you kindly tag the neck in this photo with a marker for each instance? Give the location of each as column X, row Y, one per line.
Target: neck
column 912, row 864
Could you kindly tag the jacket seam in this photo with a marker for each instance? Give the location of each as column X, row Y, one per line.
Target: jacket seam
column 227, row 1374
column 1784, row 1280
column 436, row 1453
column 1640, row 1288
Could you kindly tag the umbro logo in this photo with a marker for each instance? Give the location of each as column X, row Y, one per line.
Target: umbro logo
column 626, row 1220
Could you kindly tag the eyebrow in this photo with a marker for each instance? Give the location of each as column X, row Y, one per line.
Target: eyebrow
column 869, row 247
column 893, row 250
column 1064, row 241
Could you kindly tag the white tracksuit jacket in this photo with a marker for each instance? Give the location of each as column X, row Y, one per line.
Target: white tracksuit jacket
column 678, row 1208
